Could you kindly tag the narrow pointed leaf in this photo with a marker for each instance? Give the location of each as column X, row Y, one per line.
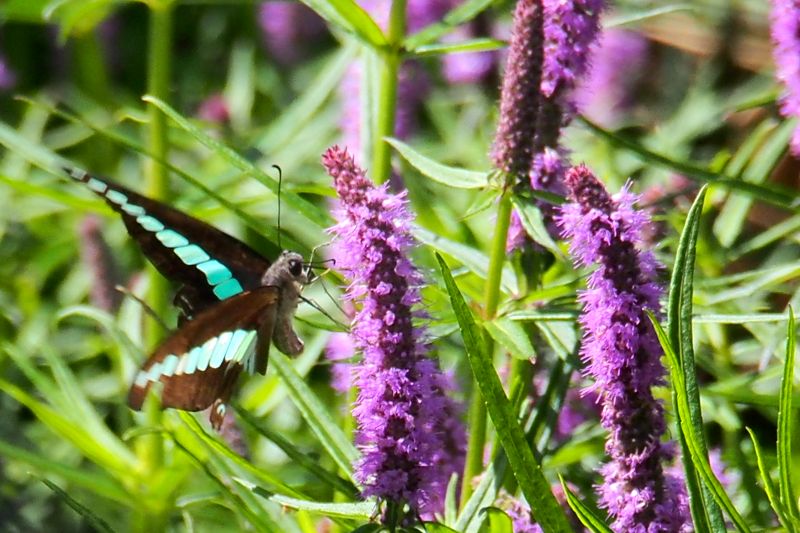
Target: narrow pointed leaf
column 705, row 512
column 97, row 523
column 316, row 415
column 769, row 486
column 313, row 213
column 698, row 454
column 450, row 176
column 350, row 17
column 299, row 458
column 786, row 416
column 511, row 336
column 586, row 515
column 527, row 471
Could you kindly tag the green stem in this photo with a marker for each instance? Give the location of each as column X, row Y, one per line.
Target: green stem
column 498, row 256
column 477, row 411
column 91, row 75
column 157, row 186
column 387, row 92
column 150, row 448
column 473, row 464
column 90, row 67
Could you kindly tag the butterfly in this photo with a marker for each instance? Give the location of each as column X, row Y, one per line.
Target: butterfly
column 233, row 302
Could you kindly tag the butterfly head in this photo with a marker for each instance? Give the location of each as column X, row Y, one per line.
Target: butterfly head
column 288, row 271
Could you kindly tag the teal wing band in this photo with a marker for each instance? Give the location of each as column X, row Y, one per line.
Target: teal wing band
column 233, row 347
column 220, row 278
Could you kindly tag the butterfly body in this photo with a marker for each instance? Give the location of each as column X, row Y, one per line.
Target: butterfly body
column 233, row 301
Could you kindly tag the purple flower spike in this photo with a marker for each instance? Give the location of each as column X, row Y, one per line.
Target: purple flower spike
column 785, row 29
column 570, row 28
column 408, row 428
column 519, row 102
column 98, row 260
column 622, row 354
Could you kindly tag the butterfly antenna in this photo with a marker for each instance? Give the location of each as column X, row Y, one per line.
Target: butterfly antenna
column 280, row 179
column 147, row 309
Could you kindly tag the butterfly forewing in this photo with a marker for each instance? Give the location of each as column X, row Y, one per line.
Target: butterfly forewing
column 200, row 363
column 210, row 264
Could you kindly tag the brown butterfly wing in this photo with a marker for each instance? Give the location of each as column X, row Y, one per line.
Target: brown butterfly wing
column 211, row 264
column 201, row 361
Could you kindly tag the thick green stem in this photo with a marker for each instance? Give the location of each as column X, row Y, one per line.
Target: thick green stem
column 477, row 411
column 149, row 448
column 157, row 186
column 91, row 75
column 90, row 67
column 498, row 256
column 387, row 92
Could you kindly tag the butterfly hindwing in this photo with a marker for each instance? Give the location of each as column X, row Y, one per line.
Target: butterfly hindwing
column 199, row 364
column 210, row 264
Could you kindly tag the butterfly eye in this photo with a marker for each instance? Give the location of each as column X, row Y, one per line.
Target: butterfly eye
column 295, row 267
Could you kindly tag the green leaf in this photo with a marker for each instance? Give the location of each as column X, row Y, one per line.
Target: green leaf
column 30, row 150
column 301, row 206
column 769, row 487
column 94, row 521
column 470, row 520
column 215, row 447
column 298, row 457
column 745, row 318
column 773, row 194
column 27, row 11
column 464, row 12
column 786, row 416
column 561, row 337
column 512, row 336
column 530, row 315
column 316, row 415
column 244, row 501
column 480, row 44
column 350, row 17
column 450, row 176
column 355, row 511
column 706, row 513
column 771, row 143
column 302, row 109
column 436, row 527
column 526, row 470
column 531, row 218
column 697, row 452
column 585, row 514
column 471, row 258
column 499, row 521
column 97, row 482
column 642, row 15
